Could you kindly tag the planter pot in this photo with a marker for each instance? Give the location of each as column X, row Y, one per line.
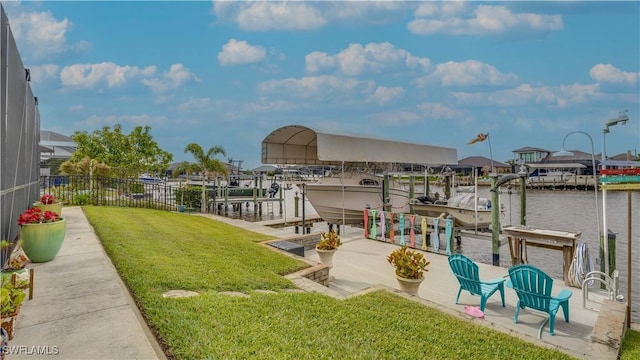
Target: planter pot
column 56, row 207
column 326, row 256
column 41, row 242
column 5, row 340
column 181, row 208
column 410, row 286
column 9, row 323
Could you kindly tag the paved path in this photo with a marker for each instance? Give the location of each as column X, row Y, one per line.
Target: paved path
column 80, row 308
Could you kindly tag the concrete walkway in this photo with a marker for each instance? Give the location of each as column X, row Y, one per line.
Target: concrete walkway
column 80, row 308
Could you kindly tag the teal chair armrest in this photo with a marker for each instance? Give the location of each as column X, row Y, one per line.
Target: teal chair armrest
column 563, row 295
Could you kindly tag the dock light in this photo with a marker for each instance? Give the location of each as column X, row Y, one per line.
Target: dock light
column 564, row 152
column 621, row 119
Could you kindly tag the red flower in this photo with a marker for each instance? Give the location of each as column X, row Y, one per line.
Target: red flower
column 47, row 199
column 36, row 216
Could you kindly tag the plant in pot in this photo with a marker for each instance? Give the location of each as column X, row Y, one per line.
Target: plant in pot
column 410, row 266
column 11, row 298
column 48, row 202
column 329, row 243
column 42, row 233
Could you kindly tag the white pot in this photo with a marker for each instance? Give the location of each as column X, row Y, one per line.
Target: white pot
column 326, row 256
column 410, row 286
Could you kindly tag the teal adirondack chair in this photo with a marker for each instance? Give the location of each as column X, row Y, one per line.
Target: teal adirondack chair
column 466, row 271
column 533, row 288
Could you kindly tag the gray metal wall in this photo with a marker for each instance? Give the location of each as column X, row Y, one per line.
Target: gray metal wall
column 19, row 135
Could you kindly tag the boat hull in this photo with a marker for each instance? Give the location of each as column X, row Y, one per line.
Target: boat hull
column 337, row 207
column 464, row 218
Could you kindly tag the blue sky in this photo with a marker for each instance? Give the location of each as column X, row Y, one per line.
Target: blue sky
column 438, row 73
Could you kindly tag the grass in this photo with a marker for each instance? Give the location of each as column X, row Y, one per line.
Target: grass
column 155, row 251
column 630, row 346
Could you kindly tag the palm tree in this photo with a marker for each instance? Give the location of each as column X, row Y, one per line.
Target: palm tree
column 206, row 163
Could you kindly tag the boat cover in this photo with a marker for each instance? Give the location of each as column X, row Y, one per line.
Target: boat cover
column 296, row 144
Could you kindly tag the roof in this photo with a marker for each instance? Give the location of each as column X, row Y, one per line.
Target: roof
column 555, row 166
column 528, row 149
column 46, row 135
column 296, row 144
column 480, row 161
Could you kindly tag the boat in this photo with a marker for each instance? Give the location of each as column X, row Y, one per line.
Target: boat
column 343, row 199
column 461, row 206
column 150, row 179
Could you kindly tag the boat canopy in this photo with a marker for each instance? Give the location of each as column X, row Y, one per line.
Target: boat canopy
column 296, row 144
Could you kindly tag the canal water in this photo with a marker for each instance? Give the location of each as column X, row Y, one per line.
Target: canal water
column 567, row 210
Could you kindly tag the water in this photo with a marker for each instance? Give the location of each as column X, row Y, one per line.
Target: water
column 567, row 210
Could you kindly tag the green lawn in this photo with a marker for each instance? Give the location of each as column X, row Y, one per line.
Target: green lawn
column 155, row 251
column 631, row 346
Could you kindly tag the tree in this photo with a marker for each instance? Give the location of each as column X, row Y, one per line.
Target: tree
column 84, row 168
column 186, row 168
column 127, row 155
column 207, row 163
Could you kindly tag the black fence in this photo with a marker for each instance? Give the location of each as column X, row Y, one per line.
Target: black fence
column 97, row 190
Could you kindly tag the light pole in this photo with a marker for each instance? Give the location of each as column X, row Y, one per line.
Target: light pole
column 621, row 119
column 563, row 152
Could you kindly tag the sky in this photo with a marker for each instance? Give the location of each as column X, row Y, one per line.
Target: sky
column 438, row 73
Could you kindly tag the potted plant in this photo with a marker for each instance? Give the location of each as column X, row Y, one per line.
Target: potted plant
column 48, row 202
column 410, row 266
column 11, row 297
column 329, row 243
column 42, row 233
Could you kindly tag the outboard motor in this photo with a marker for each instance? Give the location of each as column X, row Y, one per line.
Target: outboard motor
column 273, row 190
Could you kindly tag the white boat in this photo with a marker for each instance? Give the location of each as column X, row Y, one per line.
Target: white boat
column 461, row 206
column 342, row 200
column 150, row 179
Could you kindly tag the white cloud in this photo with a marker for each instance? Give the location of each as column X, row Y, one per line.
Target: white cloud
column 607, row 73
column 195, row 104
column 373, row 57
column 264, row 15
column 90, row 75
column 446, row 18
column 525, row 94
column 396, row 118
column 96, row 121
column 87, row 76
column 41, row 36
column 439, row 111
column 383, row 95
column 236, row 52
column 302, row 15
column 177, row 76
column 316, row 87
column 470, row 72
column 43, row 73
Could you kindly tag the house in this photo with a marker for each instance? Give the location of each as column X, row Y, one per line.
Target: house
column 54, row 149
column 530, row 154
column 466, row 166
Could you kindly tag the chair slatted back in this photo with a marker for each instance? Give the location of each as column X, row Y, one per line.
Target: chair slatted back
column 532, row 286
column 466, row 271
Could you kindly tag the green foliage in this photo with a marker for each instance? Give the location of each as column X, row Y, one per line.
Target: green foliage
column 630, row 346
column 11, row 297
column 129, row 155
column 329, row 241
column 409, row 263
column 81, row 199
column 188, row 195
column 206, row 163
column 84, row 167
